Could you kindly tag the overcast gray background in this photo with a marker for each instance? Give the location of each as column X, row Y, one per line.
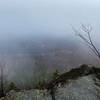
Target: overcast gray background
column 19, row 18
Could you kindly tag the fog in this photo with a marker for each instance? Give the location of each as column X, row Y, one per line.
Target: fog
column 46, row 17
column 40, row 30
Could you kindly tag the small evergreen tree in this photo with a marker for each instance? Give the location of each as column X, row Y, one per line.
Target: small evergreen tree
column 56, row 74
column 12, row 86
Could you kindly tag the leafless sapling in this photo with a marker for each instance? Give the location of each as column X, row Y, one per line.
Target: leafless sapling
column 87, row 38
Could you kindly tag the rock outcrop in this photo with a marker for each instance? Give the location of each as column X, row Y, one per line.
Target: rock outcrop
column 83, row 88
column 81, row 84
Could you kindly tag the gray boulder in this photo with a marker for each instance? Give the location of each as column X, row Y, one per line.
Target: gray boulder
column 83, row 88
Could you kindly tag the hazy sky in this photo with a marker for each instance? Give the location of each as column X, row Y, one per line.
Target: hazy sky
column 21, row 17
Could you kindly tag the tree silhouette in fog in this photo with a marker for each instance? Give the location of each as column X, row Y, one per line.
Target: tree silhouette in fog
column 2, row 93
column 87, row 38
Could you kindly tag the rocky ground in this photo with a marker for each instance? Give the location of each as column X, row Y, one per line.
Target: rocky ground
column 83, row 88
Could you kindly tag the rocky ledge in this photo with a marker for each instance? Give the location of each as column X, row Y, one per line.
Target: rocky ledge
column 82, row 84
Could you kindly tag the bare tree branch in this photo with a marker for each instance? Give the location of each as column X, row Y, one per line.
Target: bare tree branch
column 88, row 39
